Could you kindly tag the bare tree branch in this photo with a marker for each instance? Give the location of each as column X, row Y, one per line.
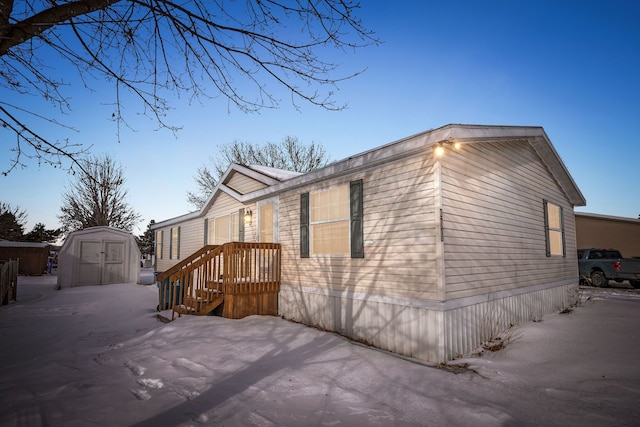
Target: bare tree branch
column 290, row 154
column 97, row 197
column 154, row 49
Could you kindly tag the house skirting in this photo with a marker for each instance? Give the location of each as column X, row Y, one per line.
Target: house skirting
column 427, row 330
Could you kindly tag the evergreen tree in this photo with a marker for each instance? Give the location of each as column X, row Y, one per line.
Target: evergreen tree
column 145, row 241
column 12, row 222
column 41, row 234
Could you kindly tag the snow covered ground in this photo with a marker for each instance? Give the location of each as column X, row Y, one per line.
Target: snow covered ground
column 99, row 356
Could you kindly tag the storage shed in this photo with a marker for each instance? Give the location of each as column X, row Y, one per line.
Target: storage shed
column 98, row 256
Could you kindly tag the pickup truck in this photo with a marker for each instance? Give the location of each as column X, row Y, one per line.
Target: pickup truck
column 598, row 266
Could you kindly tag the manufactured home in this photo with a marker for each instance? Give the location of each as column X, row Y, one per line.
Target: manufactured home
column 426, row 247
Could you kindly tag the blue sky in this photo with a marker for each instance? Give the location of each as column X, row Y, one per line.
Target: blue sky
column 571, row 67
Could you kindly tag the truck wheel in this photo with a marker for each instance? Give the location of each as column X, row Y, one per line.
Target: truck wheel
column 598, row 280
column 635, row 283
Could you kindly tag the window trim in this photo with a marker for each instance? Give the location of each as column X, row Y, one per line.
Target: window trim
column 174, row 244
column 159, row 244
column 354, row 220
column 548, row 229
column 340, row 220
column 236, row 222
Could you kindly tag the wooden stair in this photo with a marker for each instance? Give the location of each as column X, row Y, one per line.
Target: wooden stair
column 245, row 276
column 203, row 302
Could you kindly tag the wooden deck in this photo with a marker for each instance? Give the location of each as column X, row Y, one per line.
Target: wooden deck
column 236, row 279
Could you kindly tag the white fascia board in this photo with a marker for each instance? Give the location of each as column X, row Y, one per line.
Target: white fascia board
column 220, row 187
column 418, row 143
column 384, row 154
column 402, row 148
column 233, row 193
column 175, row 220
column 275, row 173
column 558, row 170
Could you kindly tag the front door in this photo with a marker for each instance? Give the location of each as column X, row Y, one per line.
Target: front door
column 268, row 221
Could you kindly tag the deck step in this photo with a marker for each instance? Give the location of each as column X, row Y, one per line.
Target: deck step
column 208, row 294
column 199, row 305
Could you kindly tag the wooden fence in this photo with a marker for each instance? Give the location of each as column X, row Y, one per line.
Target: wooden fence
column 8, row 281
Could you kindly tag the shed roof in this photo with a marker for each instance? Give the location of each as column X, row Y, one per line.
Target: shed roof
column 101, row 229
column 97, row 232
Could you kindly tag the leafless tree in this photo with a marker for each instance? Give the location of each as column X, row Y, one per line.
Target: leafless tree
column 290, row 154
column 155, row 48
column 97, row 197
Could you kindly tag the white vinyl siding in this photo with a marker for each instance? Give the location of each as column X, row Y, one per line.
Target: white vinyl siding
column 192, row 230
column 398, row 228
column 243, row 184
column 493, row 220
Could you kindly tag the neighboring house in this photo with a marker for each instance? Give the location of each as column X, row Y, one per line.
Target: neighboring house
column 32, row 256
column 604, row 231
column 98, row 256
column 425, row 247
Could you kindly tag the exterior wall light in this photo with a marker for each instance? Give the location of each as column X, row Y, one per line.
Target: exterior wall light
column 446, row 143
column 248, row 216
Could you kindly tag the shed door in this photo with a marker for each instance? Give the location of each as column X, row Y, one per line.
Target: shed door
column 101, row 263
column 113, row 270
column 90, row 270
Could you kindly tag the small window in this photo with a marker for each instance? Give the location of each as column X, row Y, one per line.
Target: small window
column 174, row 252
column 159, row 235
column 331, row 221
column 554, row 229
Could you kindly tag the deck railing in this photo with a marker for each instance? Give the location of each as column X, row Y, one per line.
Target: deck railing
column 242, row 277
